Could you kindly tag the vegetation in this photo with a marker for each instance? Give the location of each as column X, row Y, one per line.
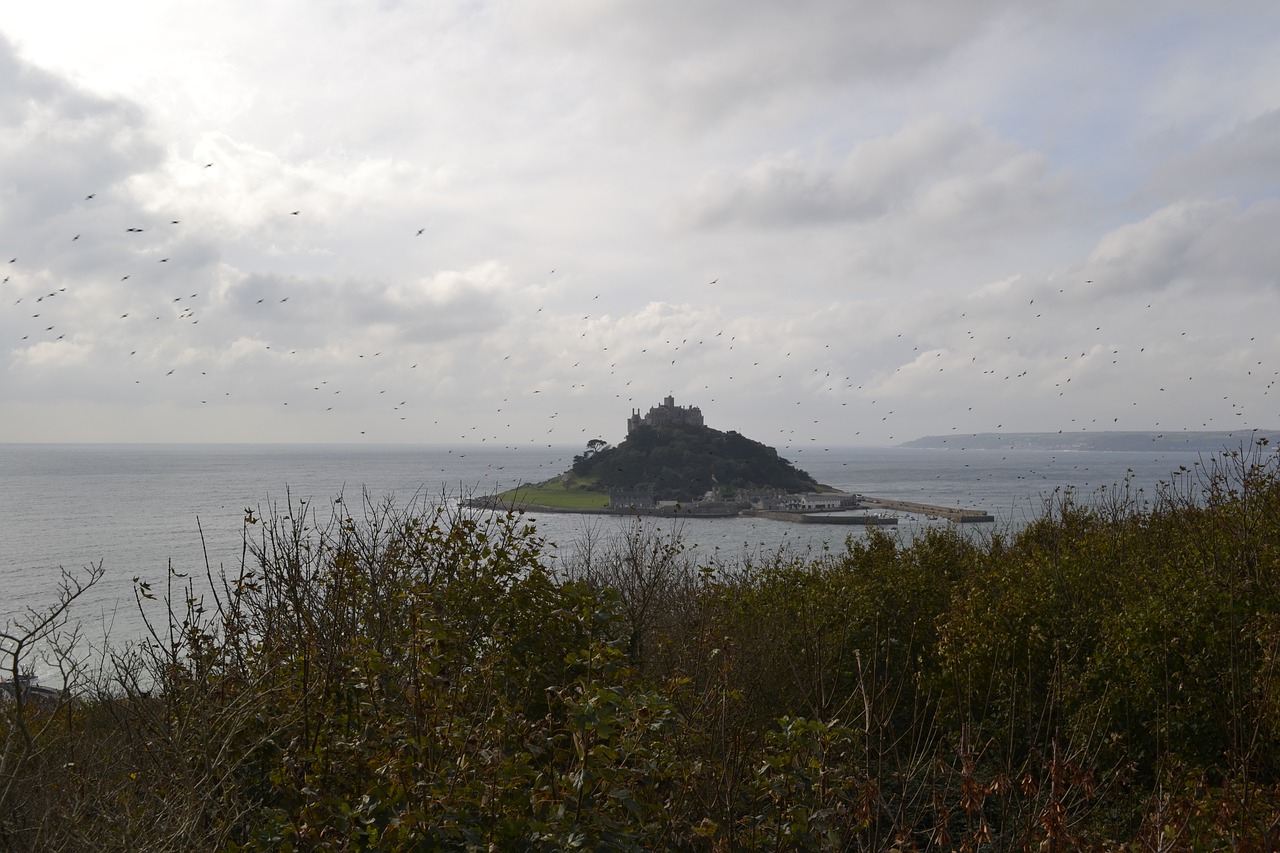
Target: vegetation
column 681, row 462
column 419, row 679
column 566, row 493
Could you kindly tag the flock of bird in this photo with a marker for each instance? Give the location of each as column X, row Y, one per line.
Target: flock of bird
column 701, row 363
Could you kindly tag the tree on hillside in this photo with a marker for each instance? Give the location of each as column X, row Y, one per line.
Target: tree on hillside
column 683, row 462
column 594, row 446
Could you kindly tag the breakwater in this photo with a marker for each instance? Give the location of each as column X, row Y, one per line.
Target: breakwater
column 964, row 516
column 818, row 517
column 691, row 510
column 720, row 510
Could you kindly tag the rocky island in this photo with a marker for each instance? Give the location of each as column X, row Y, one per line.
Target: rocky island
column 672, row 463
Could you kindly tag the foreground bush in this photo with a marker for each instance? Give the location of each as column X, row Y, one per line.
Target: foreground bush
column 420, row 679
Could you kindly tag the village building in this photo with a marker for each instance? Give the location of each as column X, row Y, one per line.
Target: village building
column 630, row 499
column 816, row 501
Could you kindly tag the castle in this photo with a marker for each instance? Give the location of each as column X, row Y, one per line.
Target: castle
column 667, row 414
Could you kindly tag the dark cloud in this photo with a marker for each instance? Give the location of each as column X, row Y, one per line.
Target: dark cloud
column 1243, row 162
column 60, row 143
column 318, row 311
column 954, row 175
column 699, row 64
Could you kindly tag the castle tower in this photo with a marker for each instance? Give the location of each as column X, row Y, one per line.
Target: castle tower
column 668, row 414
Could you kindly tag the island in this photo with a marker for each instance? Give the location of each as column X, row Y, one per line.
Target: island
column 672, row 463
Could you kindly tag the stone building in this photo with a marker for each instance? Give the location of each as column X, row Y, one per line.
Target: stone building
column 668, row 414
column 630, row 499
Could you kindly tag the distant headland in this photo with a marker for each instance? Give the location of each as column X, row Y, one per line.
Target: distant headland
column 672, row 463
column 1203, row 441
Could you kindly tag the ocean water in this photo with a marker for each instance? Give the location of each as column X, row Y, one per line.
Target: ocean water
column 138, row 508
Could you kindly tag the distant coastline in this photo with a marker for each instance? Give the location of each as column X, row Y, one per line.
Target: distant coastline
column 1205, row 441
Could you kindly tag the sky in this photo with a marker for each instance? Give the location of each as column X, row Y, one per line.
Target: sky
column 824, row 222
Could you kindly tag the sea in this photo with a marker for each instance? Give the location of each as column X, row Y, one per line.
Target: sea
column 139, row 509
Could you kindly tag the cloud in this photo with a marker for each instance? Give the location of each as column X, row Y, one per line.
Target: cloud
column 879, row 192
column 702, row 65
column 955, row 178
column 1204, row 246
column 54, row 354
column 336, row 314
column 61, row 143
column 1243, row 162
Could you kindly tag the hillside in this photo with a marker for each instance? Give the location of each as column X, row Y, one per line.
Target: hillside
column 684, row 462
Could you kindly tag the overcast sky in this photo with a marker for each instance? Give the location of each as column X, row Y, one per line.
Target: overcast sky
column 825, row 222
